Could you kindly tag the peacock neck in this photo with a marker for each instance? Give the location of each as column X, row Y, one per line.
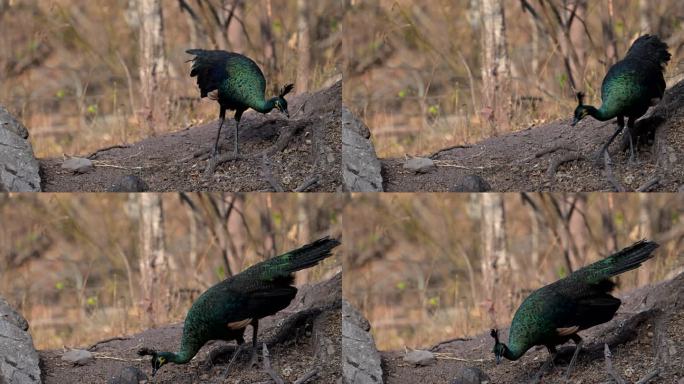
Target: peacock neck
column 265, row 106
column 187, row 351
column 512, row 352
column 601, row 114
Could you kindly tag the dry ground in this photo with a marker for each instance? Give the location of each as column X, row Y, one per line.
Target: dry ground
column 298, row 150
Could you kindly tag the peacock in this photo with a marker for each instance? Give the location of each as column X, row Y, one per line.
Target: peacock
column 224, row 311
column 630, row 87
column 555, row 313
column 237, row 83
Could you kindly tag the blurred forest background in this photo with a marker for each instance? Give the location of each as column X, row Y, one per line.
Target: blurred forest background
column 425, row 268
column 425, row 75
column 76, row 266
column 80, row 77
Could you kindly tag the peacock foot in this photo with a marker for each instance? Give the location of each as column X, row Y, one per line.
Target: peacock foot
column 254, row 360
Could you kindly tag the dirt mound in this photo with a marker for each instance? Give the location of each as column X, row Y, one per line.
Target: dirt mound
column 646, row 334
column 557, row 157
column 303, row 152
column 308, row 335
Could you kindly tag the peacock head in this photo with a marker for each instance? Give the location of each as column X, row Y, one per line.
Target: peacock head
column 499, row 349
column 581, row 111
column 158, row 358
column 279, row 102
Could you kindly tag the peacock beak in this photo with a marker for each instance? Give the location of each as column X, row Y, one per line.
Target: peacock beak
column 286, row 113
column 574, row 121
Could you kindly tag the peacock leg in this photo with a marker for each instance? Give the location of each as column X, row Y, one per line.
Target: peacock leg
column 598, row 159
column 578, row 346
column 254, row 361
column 214, row 153
column 630, row 127
column 238, row 116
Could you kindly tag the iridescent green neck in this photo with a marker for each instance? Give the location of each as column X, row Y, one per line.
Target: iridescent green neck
column 600, row 114
column 186, row 353
column 512, row 352
column 265, row 106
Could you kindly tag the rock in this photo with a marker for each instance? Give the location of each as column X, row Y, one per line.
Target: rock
column 78, row 357
column 471, row 183
column 471, row 375
column 18, row 358
column 362, row 168
column 78, row 165
column 361, row 363
column 420, row 357
column 18, row 166
column 129, row 375
column 420, row 165
column 129, row 183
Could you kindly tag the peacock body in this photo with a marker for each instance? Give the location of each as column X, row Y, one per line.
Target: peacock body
column 555, row 313
column 224, row 311
column 237, row 83
column 631, row 86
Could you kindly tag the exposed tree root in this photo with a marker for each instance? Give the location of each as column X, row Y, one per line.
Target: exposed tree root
column 609, row 365
column 267, row 367
column 553, row 167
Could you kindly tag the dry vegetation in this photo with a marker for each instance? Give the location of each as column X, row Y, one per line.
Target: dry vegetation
column 70, row 69
column 414, row 263
column 71, row 263
column 414, row 68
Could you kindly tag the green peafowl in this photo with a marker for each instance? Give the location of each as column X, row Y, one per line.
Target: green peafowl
column 553, row 314
column 630, row 87
column 237, row 83
column 224, row 311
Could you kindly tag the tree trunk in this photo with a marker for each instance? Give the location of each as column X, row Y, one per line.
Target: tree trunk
column 496, row 73
column 494, row 255
column 236, row 36
column 153, row 66
column 644, row 16
column 268, row 43
column 153, row 258
column 609, row 40
column 303, row 45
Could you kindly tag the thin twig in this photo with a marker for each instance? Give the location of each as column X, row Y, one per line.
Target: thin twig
column 307, row 376
column 555, row 148
column 649, row 376
column 93, row 154
column 433, row 155
column 447, row 342
column 267, row 367
column 609, row 365
column 647, row 186
column 553, row 167
column 446, row 163
column 449, row 356
column 267, row 173
column 609, row 174
column 308, row 183
column 107, row 341
column 103, row 164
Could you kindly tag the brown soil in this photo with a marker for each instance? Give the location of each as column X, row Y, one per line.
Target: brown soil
column 173, row 162
column 312, row 343
column 646, row 333
column 521, row 161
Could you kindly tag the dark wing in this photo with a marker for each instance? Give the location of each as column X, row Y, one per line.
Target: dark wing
column 210, row 69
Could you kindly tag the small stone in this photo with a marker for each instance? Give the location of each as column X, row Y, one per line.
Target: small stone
column 471, row 183
column 129, row 183
column 78, row 357
column 129, row 375
column 420, row 357
column 471, row 375
column 78, row 165
column 420, row 164
column 649, row 334
column 673, row 350
column 629, row 372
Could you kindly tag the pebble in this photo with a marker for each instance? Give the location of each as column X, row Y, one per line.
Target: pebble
column 420, row 164
column 78, row 357
column 420, row 357
column 78, row 165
